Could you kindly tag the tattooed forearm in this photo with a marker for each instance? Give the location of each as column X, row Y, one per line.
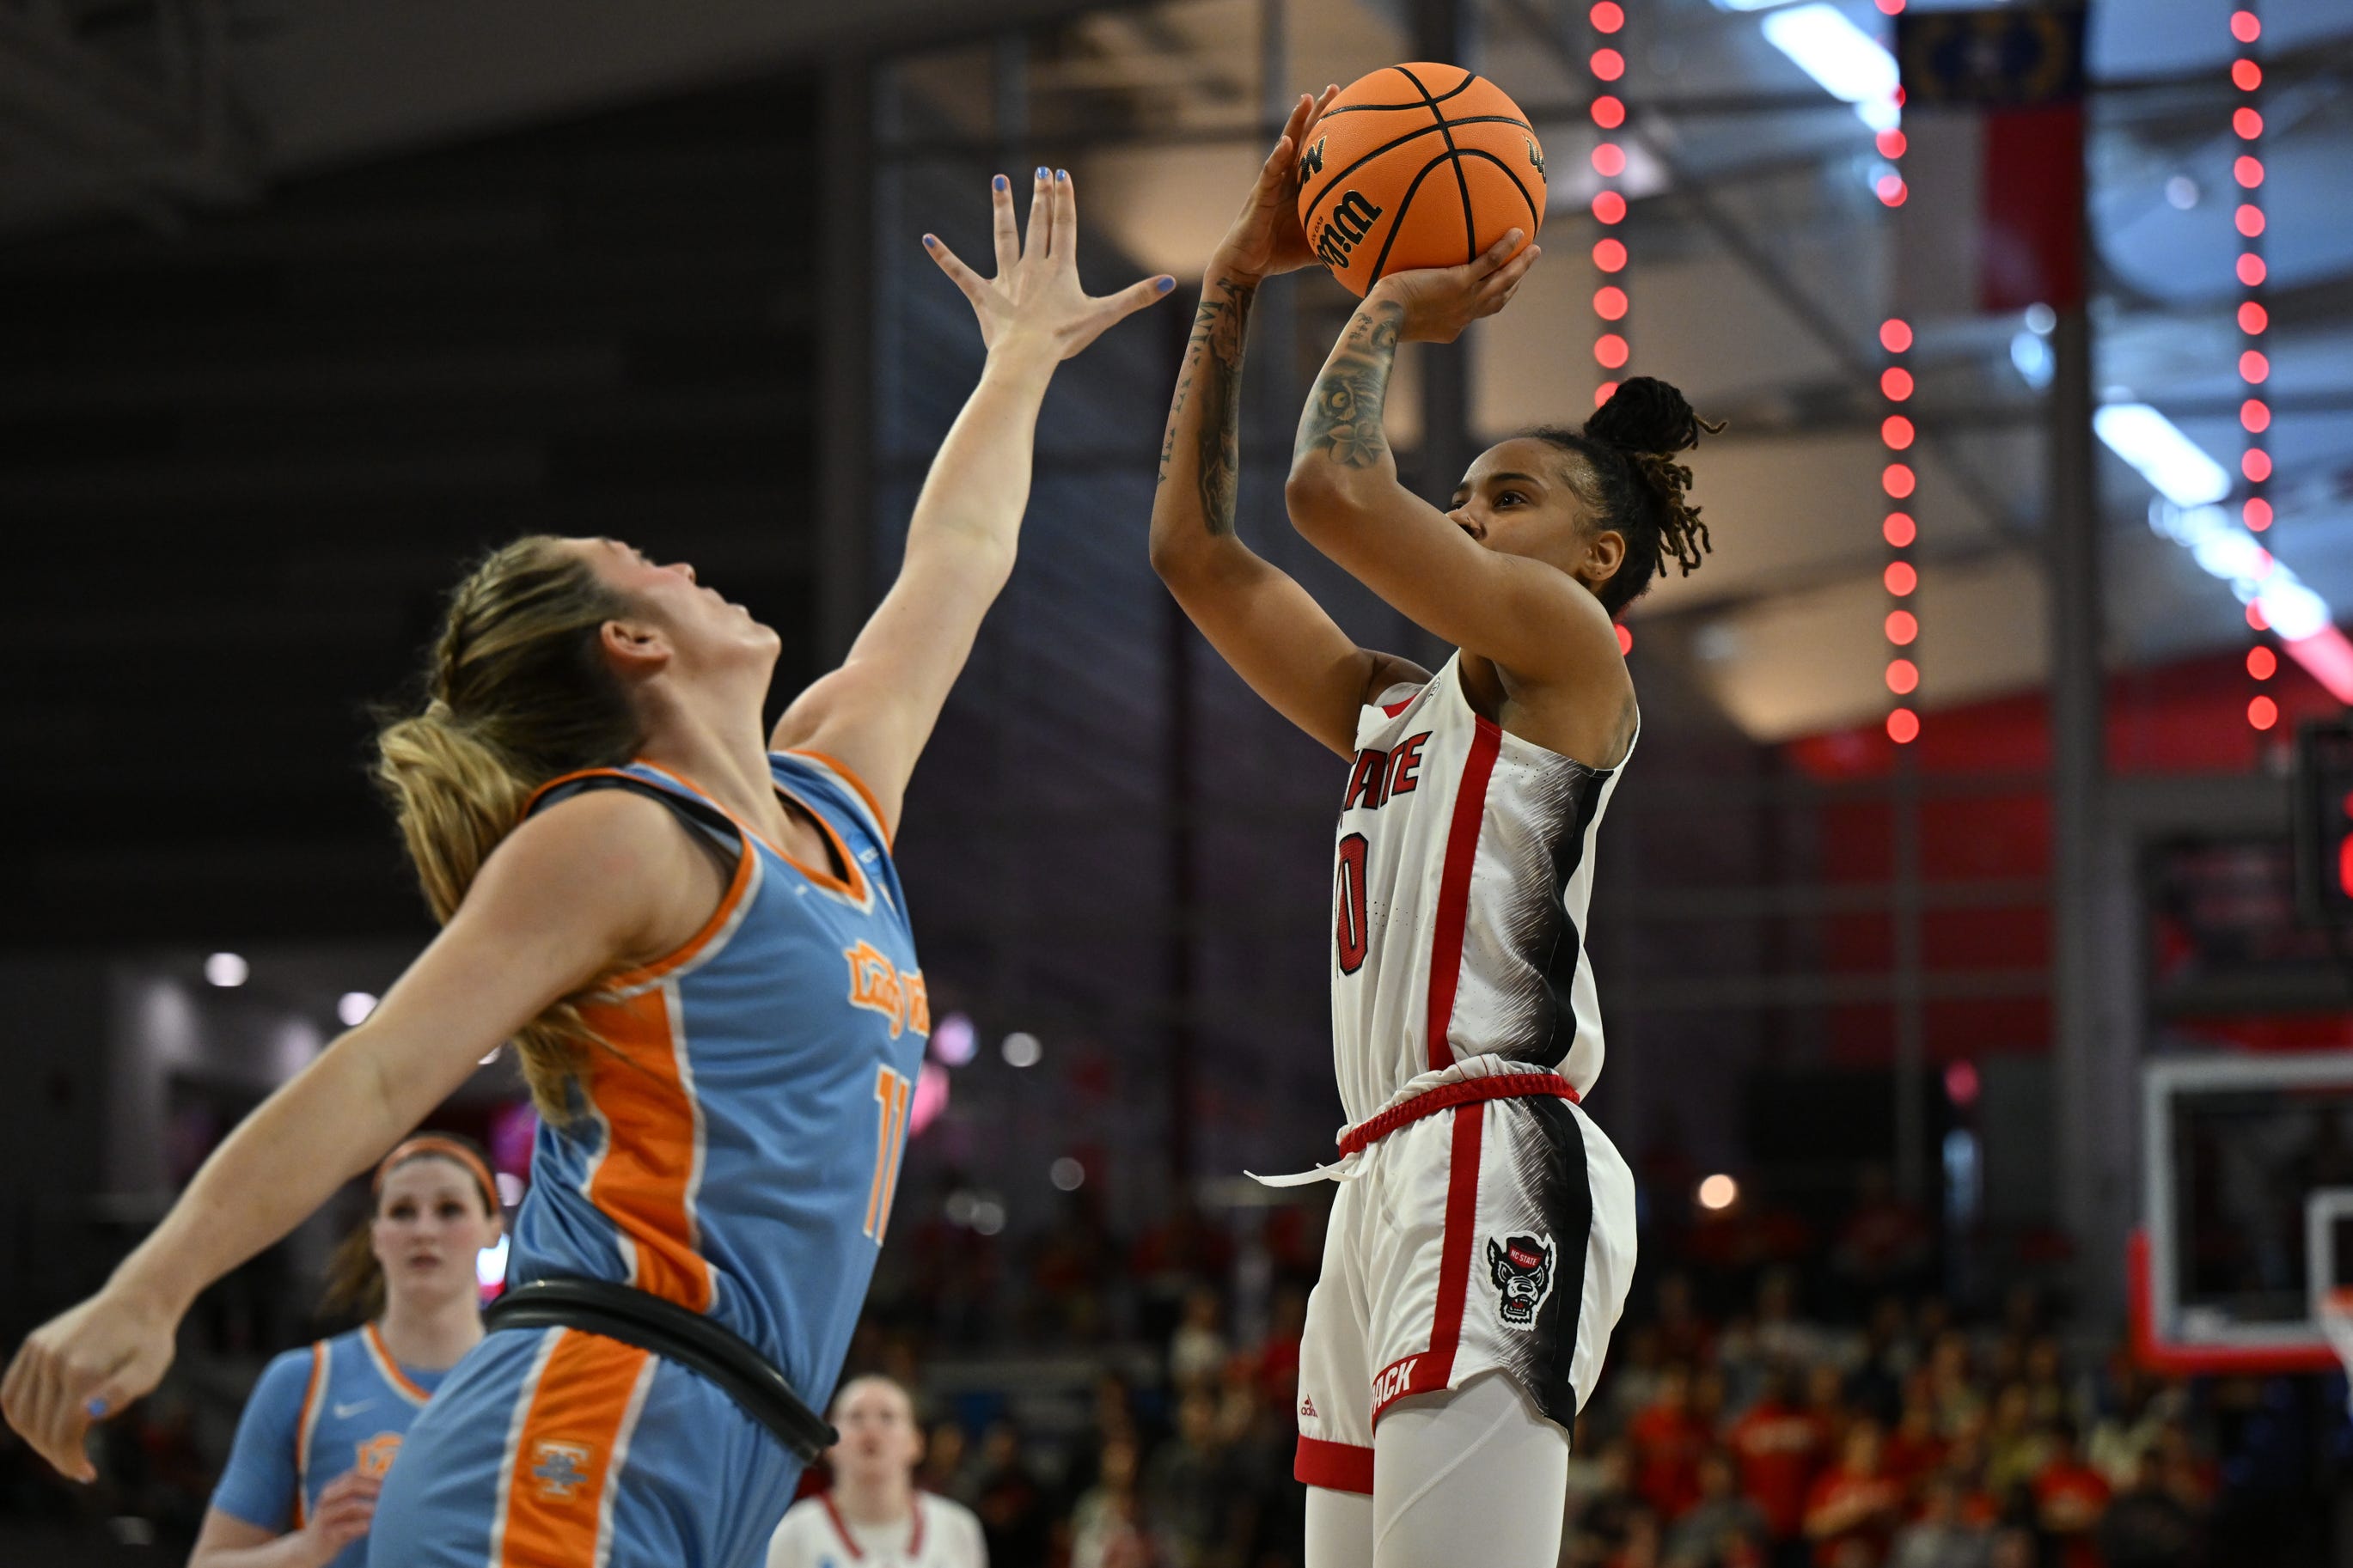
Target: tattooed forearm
column 1212, row 374
column 1221, row 329
column 1343, row 421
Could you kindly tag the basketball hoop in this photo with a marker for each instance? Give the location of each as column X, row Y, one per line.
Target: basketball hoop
column 2336, row 1321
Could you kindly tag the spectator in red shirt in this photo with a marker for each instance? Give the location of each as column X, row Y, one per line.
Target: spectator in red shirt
column 2070, row 1497
column 1668, row 1441
column 1780, row 1446
column 1853, row 1510
column 1914, row 1448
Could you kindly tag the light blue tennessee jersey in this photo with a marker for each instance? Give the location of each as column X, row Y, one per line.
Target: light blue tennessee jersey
column 736, row 1148
column 340, row 1405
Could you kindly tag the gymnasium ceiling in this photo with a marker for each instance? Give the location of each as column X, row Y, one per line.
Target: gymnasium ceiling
column 1762, row 261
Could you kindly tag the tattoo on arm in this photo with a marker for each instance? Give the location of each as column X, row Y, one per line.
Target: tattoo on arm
column 1343, row 421
column 1213, row 359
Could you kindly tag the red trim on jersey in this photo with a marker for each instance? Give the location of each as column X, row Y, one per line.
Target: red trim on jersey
column 1470, row 1091
column 1455, row 887
column 1334, row 1467
column 1392, row 709
column 914, row 1538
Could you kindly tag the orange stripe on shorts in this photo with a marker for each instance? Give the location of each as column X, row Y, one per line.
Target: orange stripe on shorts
column 577, row 1431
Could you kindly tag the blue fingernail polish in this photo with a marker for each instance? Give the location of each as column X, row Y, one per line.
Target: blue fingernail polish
column 1043, row 170
column 1166, row 284
column 931, row 240
column 1063, row 175
column 96, row 1407
column 1001, row 182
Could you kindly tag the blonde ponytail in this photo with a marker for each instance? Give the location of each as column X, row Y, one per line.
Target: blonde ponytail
column 519, row 694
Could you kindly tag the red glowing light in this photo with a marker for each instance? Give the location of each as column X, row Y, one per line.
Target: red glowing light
column 2261, row 663
column 1611, row 350
column 1961, row 1083
column 1899, row 529
column 1607, row 16
column 1608, row 113
column 1896, row 431
column 1891, row 7
column 1625, row 640
column 1891, row 145
column 2247, row 123
column 1608, row 160
column 2256, row 464
column 2246, row 75
column 1609, row 207
column 2246, row 27
column 1609, row 303
column 1895, row 382
column 2250, row 219
column 2253, row 368
column 1890, row 190
column 2258, row 513
column 1899, row 96
column 1897, row 481
column 1904, row 726
column 2253, row 319
column 1609, row 255
column 1901, row 579
column 1895, row 334
column 1604, row 393
column 2252, row 270
column 1901, row 627
column 2255, row 619
column 2262, row 712
column 2255, row 415
column 1902, row 677
column 1608, row 63
column 2248, row 172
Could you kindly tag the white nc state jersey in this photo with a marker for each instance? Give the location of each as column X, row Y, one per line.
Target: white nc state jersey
column 1458, row 902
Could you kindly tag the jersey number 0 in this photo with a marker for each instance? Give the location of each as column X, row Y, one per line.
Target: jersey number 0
column 1350, row 938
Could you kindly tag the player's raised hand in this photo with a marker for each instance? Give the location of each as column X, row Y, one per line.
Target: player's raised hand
column 1265, row 238
column 82, row 1366
column 1035, row 300
column 1440, row 301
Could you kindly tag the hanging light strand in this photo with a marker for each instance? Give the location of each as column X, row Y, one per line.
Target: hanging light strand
column 2254, row 321
column 1897, row 479
column 1610, row 348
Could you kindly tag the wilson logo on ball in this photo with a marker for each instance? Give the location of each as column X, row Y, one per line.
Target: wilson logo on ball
column 1534, row 157
column 1346, row 229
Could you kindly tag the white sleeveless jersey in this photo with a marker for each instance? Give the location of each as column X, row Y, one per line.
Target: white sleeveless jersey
column 1458, row 902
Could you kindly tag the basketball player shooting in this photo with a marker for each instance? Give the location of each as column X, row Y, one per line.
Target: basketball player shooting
column 1483, row 1241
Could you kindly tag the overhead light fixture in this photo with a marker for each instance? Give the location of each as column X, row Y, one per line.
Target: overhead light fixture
column 353, row 1007
column 2176, row 466
column 1845, row 61
column 227, row 969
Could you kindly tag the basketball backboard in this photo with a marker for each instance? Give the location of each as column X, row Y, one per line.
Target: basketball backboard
column 2247, row 1211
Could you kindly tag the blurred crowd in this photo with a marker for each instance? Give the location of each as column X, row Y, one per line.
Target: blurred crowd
column 1775, row 1397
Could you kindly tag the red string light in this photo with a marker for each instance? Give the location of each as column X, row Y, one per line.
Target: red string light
column 2255, row 366
column 1611, row 347
column 1897, row 433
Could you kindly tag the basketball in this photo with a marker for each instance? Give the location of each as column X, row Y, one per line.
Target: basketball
column 1417, row 165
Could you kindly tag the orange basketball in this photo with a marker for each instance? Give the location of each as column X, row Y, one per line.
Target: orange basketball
column 1417, row 165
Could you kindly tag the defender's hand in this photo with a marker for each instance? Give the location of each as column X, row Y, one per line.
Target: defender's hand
column 82, row 1366
column 1034, row 303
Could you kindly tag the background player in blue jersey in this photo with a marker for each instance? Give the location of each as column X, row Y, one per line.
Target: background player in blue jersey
column 696, row 939
column 323, row 1423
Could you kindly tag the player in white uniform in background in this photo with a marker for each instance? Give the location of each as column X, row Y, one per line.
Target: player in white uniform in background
column 875, row 1514
column 1483, row 1241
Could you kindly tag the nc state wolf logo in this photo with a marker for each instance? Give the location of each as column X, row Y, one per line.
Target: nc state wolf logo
column 1522, row 1269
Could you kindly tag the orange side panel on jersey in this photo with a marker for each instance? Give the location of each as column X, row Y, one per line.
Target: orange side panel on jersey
column 312, row 1392
column 564, row 1457
column 640, row 1183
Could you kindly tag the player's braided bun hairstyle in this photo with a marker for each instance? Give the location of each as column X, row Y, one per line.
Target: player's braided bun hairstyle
column 1631, row 482
column 518, row 693
column 354, row 1285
